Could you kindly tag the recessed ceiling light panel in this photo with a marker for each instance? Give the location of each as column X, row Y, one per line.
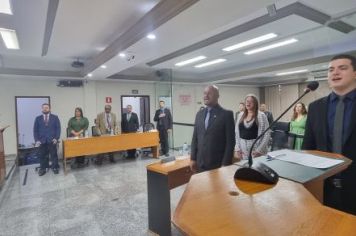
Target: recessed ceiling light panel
column 292, row 72
column 10, row 38
column 191, row 60
column 5, row 7
column 271, row 46
column 250, row 42
column 209, row 63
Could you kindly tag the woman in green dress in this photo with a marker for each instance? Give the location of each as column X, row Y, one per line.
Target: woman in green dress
column 77, row 127
column 297, row 124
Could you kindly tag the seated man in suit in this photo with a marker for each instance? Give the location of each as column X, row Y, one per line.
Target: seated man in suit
column 129, row 124
column 46, row 132
column 213, row 140
column 106, row 124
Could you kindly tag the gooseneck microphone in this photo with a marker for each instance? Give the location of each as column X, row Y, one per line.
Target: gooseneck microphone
column 260, row 172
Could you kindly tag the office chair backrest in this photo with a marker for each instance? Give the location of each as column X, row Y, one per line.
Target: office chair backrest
column 94, row 132
column 148, row 127
column 281, row 138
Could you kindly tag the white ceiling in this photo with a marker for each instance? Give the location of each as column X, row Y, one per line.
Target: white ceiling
column 84, row 29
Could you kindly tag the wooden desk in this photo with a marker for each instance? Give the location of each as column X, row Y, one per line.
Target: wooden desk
column 109, row 143
column 210, row 206
column 161, row 178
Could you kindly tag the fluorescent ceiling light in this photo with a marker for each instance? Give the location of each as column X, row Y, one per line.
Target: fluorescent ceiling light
column 271, row 46
column 151, row 36
column 250, row 42
column 90, row 75
column 189, row 61
column 291, row 72
column 103, row 66
column 209, row 63
column 5, row 7
column 122, row 55
column 10, row 38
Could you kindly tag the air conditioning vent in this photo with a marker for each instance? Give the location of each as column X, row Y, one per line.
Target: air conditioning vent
column 70, row 83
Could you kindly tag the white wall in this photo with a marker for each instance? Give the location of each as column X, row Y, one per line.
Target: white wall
column 91, row 98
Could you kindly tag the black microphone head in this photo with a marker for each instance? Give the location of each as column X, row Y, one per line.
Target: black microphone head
column 312, row 86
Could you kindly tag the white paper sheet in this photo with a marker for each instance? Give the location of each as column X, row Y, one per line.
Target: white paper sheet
column 304, row 159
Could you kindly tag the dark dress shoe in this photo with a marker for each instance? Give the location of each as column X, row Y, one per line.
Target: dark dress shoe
column 41, row 172
column 56, row 171
column 167, row 155
column 112, row 160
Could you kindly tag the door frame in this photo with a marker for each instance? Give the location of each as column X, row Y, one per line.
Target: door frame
column 16, row 115
column 139, row 96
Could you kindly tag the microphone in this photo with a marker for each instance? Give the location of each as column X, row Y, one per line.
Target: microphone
column 260, row 172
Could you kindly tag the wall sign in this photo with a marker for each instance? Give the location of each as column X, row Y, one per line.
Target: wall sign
column 134, row 91
column 185, row 99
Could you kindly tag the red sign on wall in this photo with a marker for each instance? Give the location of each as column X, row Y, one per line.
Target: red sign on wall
column 185, row 99
column 108, row 99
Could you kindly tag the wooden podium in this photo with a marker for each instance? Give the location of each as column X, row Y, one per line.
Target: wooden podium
column 215, row 204
column 2, row 157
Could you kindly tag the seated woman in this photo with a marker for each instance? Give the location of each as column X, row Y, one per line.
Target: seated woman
column 251, row 123
column 297, row 124
column 77, row 126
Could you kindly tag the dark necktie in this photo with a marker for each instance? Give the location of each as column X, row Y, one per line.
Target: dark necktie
column 207, row 117
column 338, row 125
column 46, row 120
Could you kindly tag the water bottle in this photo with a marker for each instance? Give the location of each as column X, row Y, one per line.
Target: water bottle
column 185, row 149
column 112, row 132
column 86, row 133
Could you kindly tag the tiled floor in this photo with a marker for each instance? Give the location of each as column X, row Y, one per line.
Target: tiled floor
column 106, row 200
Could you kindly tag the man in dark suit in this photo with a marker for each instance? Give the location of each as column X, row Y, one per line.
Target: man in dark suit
column 47, row 131
column 129, row 124
column 331, row 127
column 214, row 134
column 269, row 115
column 164, row 121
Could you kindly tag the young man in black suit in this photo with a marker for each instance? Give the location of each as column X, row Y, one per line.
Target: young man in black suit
column 46, row 132
column 164, row 121
column 213, row 140
column 129, row 124
column 331, row 127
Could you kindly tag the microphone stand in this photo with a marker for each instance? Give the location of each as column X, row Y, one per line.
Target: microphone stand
column 260, row 172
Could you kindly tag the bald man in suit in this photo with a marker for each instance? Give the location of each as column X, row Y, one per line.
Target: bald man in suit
column 213, row 139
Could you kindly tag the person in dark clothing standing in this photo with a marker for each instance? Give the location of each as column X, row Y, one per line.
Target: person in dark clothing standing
column 269, row 115
column 331, row 127
column 213, row 139
column 46, row 132
column 164, row 121
column 129, row 124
